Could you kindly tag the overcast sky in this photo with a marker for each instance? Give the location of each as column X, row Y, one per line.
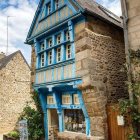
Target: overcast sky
column 22, row 12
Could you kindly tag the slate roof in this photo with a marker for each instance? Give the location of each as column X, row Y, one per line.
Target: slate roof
column 4, row 61
column 98, row 10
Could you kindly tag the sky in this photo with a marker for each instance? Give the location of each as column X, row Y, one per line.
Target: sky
column 21, row 14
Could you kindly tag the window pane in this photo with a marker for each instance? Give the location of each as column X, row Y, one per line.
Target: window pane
column 58, row 39
column 49, row 8
column 58, row 54
column 42, row 46
column 57, row 4
column 50, row 57
column 68, row 52
column 50, row 43
column 42, row 60
column 67, row 35
column 74, row 121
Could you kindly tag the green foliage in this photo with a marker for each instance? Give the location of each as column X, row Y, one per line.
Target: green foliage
column 13, row 134
column 35, row 119
column 127, row 107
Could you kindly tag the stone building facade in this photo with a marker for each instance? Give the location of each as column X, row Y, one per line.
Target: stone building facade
column 90, row 79
column 14, row 89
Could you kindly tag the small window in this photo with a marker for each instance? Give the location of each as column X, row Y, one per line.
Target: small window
column 76, row 99
column 49, row 8
column 58, row 54
column 42, row 46
column 67, row 35
column 66, row 99
column 50, row 100
column 50, row 43
column 58, row 39
column 68, row 52
column 57, row 4
column 50, row 57
column 42, row 60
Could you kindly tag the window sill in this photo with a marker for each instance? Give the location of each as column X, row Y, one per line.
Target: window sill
column 65, row 62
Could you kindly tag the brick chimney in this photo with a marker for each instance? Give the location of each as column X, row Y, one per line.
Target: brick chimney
column 2, row 55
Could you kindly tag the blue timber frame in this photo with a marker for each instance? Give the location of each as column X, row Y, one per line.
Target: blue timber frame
column 66, row 84
column 57, row 90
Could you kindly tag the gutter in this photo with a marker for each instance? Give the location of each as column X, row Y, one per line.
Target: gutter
column 127, row 47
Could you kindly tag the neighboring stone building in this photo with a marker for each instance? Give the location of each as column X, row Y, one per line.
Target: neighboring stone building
column 77, row 56
column 14, row 89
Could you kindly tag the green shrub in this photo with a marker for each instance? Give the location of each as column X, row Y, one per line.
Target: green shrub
column 35, row 119
column 13, row 134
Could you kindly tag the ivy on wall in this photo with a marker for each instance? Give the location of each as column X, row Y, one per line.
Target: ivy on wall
column 132, row 108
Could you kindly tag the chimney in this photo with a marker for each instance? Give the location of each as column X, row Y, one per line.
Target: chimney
column 2, row 55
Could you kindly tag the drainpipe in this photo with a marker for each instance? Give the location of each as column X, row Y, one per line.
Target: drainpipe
column 127, row 47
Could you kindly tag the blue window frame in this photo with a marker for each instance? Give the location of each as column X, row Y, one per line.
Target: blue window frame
column 48, row 8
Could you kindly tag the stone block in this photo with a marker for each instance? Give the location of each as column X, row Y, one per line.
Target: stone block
column 82, row 55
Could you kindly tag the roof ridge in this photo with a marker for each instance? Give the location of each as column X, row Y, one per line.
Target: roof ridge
column 6, row 59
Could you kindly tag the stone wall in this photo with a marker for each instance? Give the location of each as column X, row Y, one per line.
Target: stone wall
column 99, row 60
column 133, row 8
column 14, row 92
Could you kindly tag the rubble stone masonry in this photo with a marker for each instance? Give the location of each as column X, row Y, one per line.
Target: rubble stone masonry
column 100, row 57
column 14, row 92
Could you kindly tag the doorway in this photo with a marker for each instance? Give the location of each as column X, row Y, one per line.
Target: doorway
column 53, row 124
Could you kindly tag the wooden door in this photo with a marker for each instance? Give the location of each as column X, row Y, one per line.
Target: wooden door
column 116, row 132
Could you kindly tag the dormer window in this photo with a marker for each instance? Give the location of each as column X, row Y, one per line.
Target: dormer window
column 42, row 60
column 49, row 8
column 68, row 52
column 50, row 43
column 58, row 54
column 49, row 57
column 58, row 39
column 67, row 35
column 42, row 46
column 57, row 4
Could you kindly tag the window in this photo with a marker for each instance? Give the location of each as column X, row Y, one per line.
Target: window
column 49, row 8
column 50, row 100
column 42, row 46
column 58, row 54
column 66, row 99
column 50, row 57
column 58, row 39
column 67, row 35
column 57, row 4
column 50, row 43
column 68, row 51
column 74, row 121
column 42, row 60
column 76, row 99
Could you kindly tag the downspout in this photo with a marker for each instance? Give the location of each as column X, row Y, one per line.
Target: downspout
column 127, row 47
